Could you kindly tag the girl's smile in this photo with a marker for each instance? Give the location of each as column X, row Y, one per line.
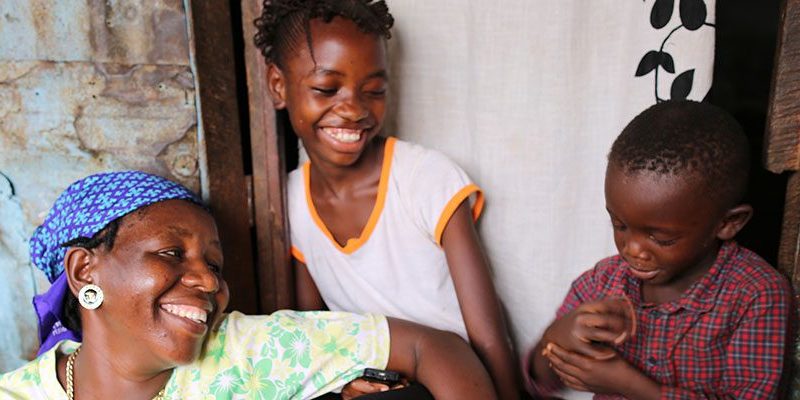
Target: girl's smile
column 335, row 91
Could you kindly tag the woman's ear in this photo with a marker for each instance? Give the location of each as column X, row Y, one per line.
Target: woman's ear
column 79, row 265
column 276, row 84
column 734, row 220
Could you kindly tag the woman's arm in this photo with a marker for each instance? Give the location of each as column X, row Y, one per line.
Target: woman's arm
column 440, row 360
column 308, row 297
column 479, row 303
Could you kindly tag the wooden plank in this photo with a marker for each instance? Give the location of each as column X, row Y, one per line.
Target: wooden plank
column 213, row 44
column 783, row 115
column 276, row 280
column 790, row 235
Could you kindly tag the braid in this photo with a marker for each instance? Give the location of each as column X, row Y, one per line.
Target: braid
column 283, row 22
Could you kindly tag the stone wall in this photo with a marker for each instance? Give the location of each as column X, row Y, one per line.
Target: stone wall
column 85, row 86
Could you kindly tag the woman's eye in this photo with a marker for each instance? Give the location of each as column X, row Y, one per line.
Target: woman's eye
column 377, row 92
column 176, row 253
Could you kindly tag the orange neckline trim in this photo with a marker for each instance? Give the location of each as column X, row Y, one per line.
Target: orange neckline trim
column 354, row 244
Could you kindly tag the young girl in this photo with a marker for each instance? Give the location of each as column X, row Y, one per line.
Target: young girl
column 377, row 224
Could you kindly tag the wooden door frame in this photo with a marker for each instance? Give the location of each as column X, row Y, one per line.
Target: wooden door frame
column 782, row 138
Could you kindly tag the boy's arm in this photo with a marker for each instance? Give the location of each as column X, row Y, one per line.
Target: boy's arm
column 477, row 298
column 308, row 297
column 440, row 360
column 753, row 365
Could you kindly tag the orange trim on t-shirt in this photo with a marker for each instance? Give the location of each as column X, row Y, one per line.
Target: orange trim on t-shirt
column 297, row 254
column 383, row 185
column 453, row 204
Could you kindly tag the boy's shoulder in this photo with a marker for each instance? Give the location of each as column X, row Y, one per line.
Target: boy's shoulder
column 744, row 270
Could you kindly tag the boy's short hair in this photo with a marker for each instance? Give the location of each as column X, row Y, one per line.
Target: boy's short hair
column 687, row 139
column 283, row 22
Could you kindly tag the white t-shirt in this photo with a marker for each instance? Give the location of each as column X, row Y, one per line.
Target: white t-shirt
column 397, row 266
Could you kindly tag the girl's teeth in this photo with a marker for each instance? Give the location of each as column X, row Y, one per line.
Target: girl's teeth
column 344, row 135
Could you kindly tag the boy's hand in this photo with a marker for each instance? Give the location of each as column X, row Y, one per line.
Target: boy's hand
column 612, row 376
column 360, row 387
column 593, row 328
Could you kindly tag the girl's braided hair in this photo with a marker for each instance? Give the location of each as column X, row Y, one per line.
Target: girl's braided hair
column 282, row 22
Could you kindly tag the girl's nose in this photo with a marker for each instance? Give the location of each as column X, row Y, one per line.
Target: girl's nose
column 351, row 108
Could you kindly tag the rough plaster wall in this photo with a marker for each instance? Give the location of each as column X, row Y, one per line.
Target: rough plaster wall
column 85, row 86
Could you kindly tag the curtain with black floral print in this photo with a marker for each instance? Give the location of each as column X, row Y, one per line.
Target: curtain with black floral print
column 527, row 96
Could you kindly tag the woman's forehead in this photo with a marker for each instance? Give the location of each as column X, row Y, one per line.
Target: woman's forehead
column 176, row 217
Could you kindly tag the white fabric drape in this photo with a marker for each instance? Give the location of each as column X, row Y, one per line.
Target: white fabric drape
column 527, row 96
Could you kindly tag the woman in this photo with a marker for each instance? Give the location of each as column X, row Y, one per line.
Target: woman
column 143, row 258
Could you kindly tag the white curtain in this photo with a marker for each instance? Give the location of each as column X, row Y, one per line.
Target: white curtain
column 527, row 96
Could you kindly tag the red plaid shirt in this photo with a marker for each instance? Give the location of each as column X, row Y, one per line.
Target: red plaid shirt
column 725, row 337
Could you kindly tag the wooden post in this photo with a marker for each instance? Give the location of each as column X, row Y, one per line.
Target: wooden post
column 269, row 173
column 782, row 138
column 216, row 77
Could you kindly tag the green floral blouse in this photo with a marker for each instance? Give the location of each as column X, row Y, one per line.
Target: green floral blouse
column 285, row 355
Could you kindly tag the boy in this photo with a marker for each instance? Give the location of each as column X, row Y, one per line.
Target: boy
column 710, row 317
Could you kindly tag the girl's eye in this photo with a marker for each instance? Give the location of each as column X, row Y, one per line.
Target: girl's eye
column 377, row 92
column 325, row 90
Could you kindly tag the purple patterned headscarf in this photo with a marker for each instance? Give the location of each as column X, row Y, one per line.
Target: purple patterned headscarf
column 82, row 210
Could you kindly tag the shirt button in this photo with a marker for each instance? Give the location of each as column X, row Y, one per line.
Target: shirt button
column 652, row 361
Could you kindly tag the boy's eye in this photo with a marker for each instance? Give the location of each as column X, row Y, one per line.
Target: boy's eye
column 617, row 226
column 662, row 242
column 214, row 267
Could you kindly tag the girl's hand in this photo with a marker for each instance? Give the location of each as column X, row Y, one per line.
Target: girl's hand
column 612, row 376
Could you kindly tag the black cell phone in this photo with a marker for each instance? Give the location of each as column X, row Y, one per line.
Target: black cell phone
column 389, row 378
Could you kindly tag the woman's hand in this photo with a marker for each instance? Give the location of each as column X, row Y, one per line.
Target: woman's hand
column 360, row 387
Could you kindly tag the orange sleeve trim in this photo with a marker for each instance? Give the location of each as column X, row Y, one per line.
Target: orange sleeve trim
column 383, row 186
column 297, row 254
column 453, row 204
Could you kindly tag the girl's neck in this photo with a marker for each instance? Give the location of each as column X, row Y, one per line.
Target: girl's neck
column 334, row 179
column 109, row 374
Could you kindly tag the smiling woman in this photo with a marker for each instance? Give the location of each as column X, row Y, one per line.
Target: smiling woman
column 142, row 258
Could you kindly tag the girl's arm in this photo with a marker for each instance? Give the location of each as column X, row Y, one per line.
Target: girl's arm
column 440, row 360
column 308, row 297
column 480, row 306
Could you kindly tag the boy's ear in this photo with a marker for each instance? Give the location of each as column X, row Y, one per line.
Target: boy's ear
column 734, row 220
column 276, row 84
column 79, row 265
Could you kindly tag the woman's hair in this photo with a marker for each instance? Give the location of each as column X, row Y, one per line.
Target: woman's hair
column 105, row 237
column 283, row 22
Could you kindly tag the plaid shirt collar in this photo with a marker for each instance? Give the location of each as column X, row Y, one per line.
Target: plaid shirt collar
column 700, row 297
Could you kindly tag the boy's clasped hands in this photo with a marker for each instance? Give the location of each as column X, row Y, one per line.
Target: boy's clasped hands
column 580, row 346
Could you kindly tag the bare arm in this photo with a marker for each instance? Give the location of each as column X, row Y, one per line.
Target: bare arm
column 440, row 360
column 480, row 305
column 308, row 297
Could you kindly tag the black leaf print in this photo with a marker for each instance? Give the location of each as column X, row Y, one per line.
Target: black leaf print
column 665, row 60
column 661, row 13
column 693, row 14
column 648, row 63
column 682, row 85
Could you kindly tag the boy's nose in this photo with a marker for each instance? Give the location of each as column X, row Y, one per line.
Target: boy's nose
column 634, row 250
